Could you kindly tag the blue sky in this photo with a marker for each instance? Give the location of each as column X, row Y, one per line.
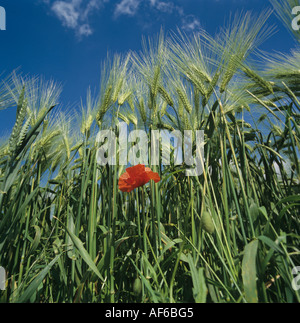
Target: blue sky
column 66, row 40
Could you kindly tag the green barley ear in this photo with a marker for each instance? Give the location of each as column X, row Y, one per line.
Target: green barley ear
column 163, row 92
column 187, row 123
column 142, row 110
column 163, row 108
column 180, row 109
column 155, row 82
column 166, row 126
column 184, row 100
column 211, row 88
column 23, row 132
column 154, row 86
column 117, row 90
column 133, row 119
column 107, row 100
column 196, row 102
column 123, row 97
column 137, row 287
column 124, row 118
column 131, row 103
column 258, row 80
column 239, row 40
column 207, row 223
column 21, row 101
column 198, row 84
column 229, row 72
column 21, row 116
column 199, row 73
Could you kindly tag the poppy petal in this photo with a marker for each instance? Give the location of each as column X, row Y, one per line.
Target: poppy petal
column 152, row 175
column 142, row 179
column 124, row 183
column 135, row 171
column 136, row 176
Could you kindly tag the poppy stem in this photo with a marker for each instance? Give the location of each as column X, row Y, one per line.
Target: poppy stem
column 158, row 212
column 153, row 235
column 144, row 221
column 138, row 218
column 142, row 229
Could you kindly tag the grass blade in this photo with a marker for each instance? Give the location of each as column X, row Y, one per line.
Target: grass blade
column 249, row 272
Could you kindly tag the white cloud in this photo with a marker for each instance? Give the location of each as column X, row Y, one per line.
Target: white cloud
column 127, row 7
column 85, row 30
column 167, row 7
column 190, row 23
column 131, row 7
column 67, row 12
column 74, row 14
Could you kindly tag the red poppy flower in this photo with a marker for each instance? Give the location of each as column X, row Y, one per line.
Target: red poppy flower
column 136, row 176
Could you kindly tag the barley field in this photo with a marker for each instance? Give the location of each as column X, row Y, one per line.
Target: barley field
column 71, row 231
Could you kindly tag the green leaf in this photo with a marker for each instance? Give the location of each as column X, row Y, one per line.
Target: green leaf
column 36, row 240
column 199, row 286
column 71, row 227
column 249, row 272
column 36, row 282
column 271, row 244
column 84, row 254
